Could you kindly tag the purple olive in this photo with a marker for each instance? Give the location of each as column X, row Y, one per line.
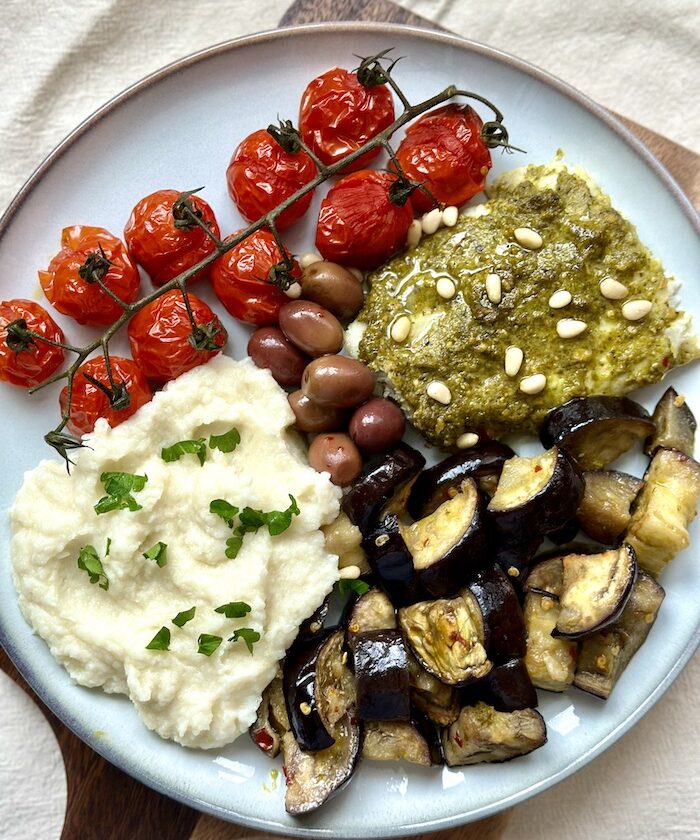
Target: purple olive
column 334, row 287
column 315, row 418
column 377, row 425
column 269, row 349
column 336, row 454
column 311, row 328
column 337, row 381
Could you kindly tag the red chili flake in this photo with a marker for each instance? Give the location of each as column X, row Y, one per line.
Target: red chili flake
column 263, row 739
column 664, row 361
column 538, row 468
column 458, row 740
column 287, row 776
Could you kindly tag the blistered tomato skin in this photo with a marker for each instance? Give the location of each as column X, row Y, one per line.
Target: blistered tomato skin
column 338, row 114
column 240, row 280
column 358, row 224
column 85, row 301
column 444, row 151
column 89, row 403
column 163, row 249
column 262, row 175
column 162, row 339
column 28, row 365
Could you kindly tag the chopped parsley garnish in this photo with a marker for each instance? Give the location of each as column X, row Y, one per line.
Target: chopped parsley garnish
column 226, row 442
column 89, row 561
column 249, row 636
column 234, row 609
column 161, row 641
column 185, row 447
column 183, row 617
column 158, row 552
column 108, row 545
column 233, row 546
column 279, row 520
column 224, row 509
column 251, row 520
column 119, row 487
column 359, row 587
column 208, row 644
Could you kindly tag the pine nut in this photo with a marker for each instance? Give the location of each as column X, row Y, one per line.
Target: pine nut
column 635, row 310
column 560, row 299
column 305, row 708
column 400, row 329
column 570, row 327
column 450, row 216
column 528, row 238
column 513, row 360
column 415, row 232
column 349, row 572
column 446, row 288
column 431, row 221
column 533, row 384
column 467, row 439
column 494, row 290
column 439, row 392
column 344, row 658
column 294, row 291
column 613, row 289
column 309, row 258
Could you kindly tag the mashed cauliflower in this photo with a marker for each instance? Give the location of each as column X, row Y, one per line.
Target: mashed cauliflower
column 99, row 635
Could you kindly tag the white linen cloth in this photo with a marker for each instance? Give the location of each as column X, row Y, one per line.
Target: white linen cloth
column 63, row 60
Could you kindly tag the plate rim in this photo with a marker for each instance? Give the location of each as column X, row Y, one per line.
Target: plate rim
column 311, row 30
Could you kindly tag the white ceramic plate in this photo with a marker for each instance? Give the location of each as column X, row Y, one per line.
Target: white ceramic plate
column 178, row 129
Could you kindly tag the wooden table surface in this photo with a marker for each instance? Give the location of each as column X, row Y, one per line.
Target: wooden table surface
column 106, row 804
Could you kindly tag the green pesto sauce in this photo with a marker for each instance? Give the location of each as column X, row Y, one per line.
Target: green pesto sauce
column 462, row 342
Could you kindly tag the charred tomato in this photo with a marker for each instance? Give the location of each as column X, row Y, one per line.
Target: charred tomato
column 26, row 360
column 90, row 256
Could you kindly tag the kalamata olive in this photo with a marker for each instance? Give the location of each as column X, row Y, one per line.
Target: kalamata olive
column 337, row 381
column 333, row 286
column 269, row 349
column 315, row 418
column 311, row 328
column 338, row 455
column 377, row 425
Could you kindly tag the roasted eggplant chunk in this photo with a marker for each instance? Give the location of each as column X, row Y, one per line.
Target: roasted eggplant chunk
column 605, row 655
column 546, row 577
column 596, row 430
column 271, row 721
column 381, row 675
column 595, row 589
column 439, row 483
column 370, row 611
column 534, row 497
column 502, row 616
column 371, row 492
column 392, row 563
column 550, row 661
column 314, row 623
column 674, row 425
column 483, row 734
column 312, row 778
column 431, row 696
column 506, row 688
column 663, row 510
column 447, row 637
column 604, row 511
column 395, row 741
column 318, row 689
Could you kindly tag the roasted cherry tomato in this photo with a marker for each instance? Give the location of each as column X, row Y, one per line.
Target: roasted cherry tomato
column 88, row 256
column 359, row 224
column 115, row 400
column 240, row 278
column 338, row 114
column 445, row 151
column 164, row 342
column 162, row 237
column 262, row 174
column 26, row 360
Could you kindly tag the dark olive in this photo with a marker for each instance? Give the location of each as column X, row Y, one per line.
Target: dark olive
column 337, row 381
column 315, row 418
column 377, row 425
column 269, row 349
column 334, row 287
column 337, row 455
column 311, row 328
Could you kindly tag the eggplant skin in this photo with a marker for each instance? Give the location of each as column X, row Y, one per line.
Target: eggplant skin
column 381, row 672
column 482, row 734
column 502, row 615
column 313, row 778
column 436, row 484
column 392, row 563
column 371, row 492
column 595, row 430
column 506, row 688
